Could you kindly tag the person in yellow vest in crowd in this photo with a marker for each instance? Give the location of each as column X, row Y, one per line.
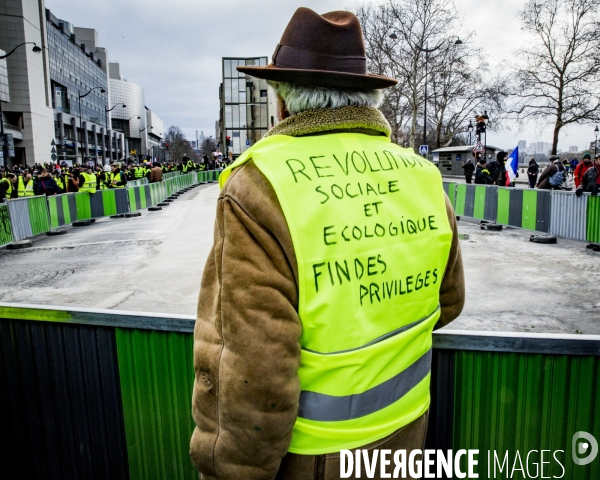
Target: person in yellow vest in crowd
column 147, row 170
column 87, row 180
column 99, row 172
column 25, row 185
column 335, row 258
column 7, row 186
column 60, row 182
column 184, row 164
column 117, row 177
column 106, row 176
column 138, row 172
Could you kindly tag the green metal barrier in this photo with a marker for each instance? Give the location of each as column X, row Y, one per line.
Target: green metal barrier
column 28, row 216
column 490, row 391
column 105, row 203
column 503, row 205
column 519, row 392
column 62, row 209
column 450, row 189
column 529, row 211
column 171, row 175
column 157, row 376
column 6, row 236
column 139, row 198
column 461, row 197
column 593, row 219
column 136, row 183
column 479, row 202
column 83, row 206
column 158, row 192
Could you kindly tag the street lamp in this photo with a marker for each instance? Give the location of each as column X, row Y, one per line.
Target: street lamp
column 427, row 51
column 470, row 128
column 596, row 142
column 35, row 49
column 80, row 122
column 106, row 110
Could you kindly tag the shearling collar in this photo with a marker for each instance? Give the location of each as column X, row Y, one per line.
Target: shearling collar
column 333, row 119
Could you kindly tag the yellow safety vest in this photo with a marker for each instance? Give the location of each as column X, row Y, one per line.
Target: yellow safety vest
column 10, row 188
column 116, row 177
column 371, row 236
column 89, row 184
column 25, row 190
column 138, row 172
column 59, row 182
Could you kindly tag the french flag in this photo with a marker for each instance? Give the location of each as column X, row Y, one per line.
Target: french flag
column 512, row 166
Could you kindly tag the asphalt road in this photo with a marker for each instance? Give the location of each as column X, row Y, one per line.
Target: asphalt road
column 154, row 263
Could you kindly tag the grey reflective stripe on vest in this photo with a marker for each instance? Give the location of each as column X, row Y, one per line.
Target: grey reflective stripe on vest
column 391, row 334
column 329, row 408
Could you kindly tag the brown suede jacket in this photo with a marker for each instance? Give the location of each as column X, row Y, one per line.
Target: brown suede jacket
column 246, row 340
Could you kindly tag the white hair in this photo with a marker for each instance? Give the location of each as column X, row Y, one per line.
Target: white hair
column 299, row 98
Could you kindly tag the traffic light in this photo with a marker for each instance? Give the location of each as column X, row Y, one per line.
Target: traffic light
column 228, row 141
column 166, row 146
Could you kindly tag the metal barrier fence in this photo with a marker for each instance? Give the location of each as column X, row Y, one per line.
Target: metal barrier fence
column 171, row 174
column 28, row 216
column 556, row 212
column 149, row 195
column 6, row 235
column 139, row 198
column 593, row 219
column 209, row 176
column 62, row 209
column 569, row 216
column 134, row 372
column 137, row 183
column 158, row 192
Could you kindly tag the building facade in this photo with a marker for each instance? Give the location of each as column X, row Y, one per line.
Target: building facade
column 80, row 92
column 27, row 113
column 130, row 120
column 57, row 104
column 245, row 115
column 156, row 136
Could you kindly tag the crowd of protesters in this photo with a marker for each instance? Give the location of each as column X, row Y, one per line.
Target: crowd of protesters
column 53, row 179
column 555, row 176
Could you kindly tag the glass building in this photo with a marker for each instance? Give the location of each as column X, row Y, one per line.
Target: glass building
column 74, row 72
column 244, row 115
column 78, row 66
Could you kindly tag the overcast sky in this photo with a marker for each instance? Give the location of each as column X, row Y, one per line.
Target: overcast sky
column 173, row 49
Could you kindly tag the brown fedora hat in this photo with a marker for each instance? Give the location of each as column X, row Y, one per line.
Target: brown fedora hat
column 322, row 50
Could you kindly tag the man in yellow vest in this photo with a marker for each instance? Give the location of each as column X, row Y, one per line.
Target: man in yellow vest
column 87, row 181
column 336, row 255
column 25, row 185
column 7, row 186
column 117, row 177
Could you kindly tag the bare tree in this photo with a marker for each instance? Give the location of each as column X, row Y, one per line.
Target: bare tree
column 558, row 78
column 178, row 144
column 396, row 33
column 209, row 145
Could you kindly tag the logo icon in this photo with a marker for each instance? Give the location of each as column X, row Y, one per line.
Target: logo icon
column 584, row 444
